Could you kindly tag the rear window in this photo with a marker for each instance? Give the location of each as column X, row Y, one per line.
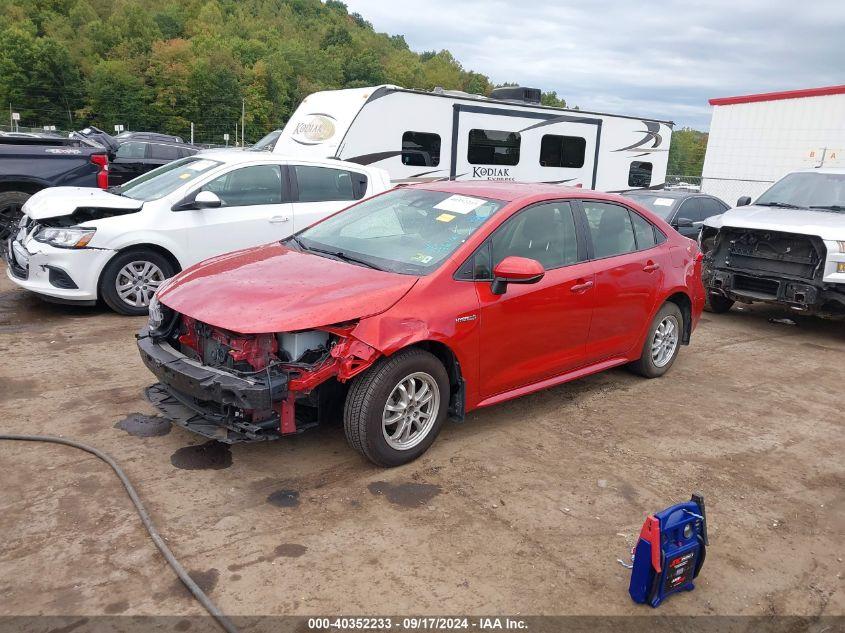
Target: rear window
column 322, row 184
column 657, row 204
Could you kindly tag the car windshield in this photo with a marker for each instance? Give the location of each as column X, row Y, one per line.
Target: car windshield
column 166, row 179
column 267, row 143
column 657, row 204
column 408, row 231
column 807, row 190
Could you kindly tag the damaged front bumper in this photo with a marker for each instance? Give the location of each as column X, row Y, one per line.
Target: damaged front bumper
column 803, row 295
column 209, row 401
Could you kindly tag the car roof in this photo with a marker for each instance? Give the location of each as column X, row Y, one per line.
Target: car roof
column 237, row 155
column 663, row 193
column 823, row 170
column 509, row 191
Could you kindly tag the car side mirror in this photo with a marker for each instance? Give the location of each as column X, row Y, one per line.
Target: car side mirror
column 744, row 201
column 515, row 270
column 207, row 200
column 684, row 223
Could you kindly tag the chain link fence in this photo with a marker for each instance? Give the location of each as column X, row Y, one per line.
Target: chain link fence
column 728, row 189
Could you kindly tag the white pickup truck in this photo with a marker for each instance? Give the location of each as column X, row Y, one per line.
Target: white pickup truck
column 786, row 248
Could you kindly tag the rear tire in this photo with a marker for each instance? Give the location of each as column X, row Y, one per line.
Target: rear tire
column 662, row 343
column 131, row 277
column 396, row 408
column 10, row 212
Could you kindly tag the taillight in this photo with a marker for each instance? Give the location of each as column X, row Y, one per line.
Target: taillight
column 102, row 161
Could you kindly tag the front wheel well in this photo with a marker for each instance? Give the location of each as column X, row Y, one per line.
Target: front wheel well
column 23, row 187
column 457, row 385
column 142, row 247
column 682, row 300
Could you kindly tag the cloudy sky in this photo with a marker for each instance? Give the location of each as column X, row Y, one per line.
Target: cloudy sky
column 657, row 59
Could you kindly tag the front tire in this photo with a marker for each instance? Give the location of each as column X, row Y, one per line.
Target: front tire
column 396, row 408
column 11, row 204
column 717, row 304
column 662, row 343
column 130, row 279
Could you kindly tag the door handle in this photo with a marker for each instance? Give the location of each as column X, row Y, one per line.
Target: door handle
column 651, row 267
column 581, row 287
column 278, row 219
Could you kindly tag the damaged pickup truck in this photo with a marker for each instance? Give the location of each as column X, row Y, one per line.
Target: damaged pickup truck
column 787, row 248
column 416, row 305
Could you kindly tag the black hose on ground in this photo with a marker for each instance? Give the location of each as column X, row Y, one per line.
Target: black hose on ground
column 199, row 594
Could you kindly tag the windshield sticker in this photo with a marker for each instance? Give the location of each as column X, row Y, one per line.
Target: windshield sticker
column 445, row 217
column 199, row 165
column 184, row 176
column 422, row 258
column 459, row 204
column 663, row 202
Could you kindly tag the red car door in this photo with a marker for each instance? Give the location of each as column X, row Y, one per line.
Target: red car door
column 629, row 271
column 536, row 331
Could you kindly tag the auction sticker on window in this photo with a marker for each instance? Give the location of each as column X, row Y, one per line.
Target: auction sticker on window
column 459, row 204
column 663, row 202
column 199, row 165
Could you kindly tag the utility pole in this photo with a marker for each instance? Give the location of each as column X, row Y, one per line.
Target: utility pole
column 236, row 133
column 11, row 120
column 192, row 132
column 243, row 116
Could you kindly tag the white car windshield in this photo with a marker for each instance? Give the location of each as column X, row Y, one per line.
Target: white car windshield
column 807, row 190
column 409, row 231
column 166, row 179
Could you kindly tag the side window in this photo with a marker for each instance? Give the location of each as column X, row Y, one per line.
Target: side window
column 639, row 174
column 322, row 184
column 420, row 149
column 610, row 229
column 493, row 147
column 562, row 151
column 131, row 150
column 643, row 231
column 164, row 152
column 545, row 232
column 690, row 209
column 258, row 184
column 710, row 206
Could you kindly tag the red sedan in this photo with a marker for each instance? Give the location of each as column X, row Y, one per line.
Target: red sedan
column 423, row 303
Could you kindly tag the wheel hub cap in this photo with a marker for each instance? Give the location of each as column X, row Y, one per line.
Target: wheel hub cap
column 411, row 411
column 665, row 341
column 137, row 282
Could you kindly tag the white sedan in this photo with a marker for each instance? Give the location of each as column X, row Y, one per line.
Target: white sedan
column 79, row 244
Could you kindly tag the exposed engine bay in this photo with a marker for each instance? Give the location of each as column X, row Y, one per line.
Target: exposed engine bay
column 250, row 387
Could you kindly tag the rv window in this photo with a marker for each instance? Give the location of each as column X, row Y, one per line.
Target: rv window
column 562, row 151
column 493, row 147
column 639, row 175
column 321, row 184
column 420, row 149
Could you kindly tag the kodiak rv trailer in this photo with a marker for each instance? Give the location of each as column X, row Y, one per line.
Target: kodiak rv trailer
column 418, row 136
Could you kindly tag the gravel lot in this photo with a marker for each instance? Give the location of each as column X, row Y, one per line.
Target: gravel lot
column 522, row 509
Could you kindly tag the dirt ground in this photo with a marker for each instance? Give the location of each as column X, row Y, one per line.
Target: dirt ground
column 522, row 509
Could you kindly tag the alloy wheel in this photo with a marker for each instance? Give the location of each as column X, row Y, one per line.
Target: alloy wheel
column 10, row 216
column 411, row 411
column 665, row 341
column 137, row 282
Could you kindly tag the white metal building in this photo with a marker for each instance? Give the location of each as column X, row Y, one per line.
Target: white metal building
column 756, row 139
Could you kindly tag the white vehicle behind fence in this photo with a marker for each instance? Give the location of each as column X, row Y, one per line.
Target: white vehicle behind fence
column 786, row 248
column 418, row 136
column 78, row 244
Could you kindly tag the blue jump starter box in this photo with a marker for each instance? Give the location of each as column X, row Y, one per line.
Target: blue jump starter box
column 670, row 552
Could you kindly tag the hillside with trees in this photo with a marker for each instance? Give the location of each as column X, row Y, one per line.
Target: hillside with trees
column 162, row 64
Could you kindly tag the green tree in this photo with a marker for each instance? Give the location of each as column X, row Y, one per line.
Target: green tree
column 686, row 153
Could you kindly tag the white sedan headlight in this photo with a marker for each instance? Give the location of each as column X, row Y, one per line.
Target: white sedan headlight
column 65, row 238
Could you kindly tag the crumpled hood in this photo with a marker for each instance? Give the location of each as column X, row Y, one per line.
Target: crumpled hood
column 828, row 225
column 274, row 289
column 54, row 202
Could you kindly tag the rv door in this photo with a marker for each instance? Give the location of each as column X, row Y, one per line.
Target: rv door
column 501, row 143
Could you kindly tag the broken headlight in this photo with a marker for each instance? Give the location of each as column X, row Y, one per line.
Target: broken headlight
column 65, row 238
column 159, row 316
